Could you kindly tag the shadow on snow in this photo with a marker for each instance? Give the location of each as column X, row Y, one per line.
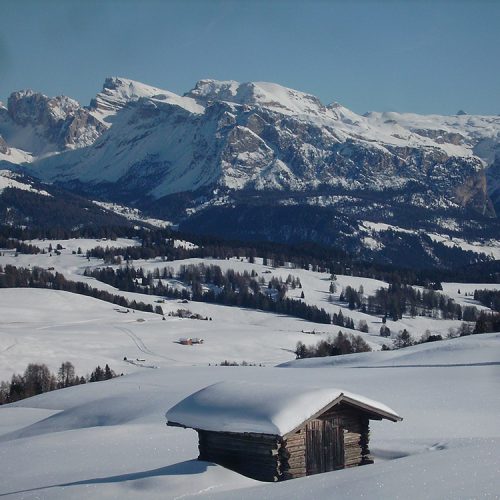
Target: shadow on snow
column 182, row 468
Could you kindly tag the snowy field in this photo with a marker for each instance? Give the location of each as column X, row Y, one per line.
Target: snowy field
column 51, row 327
column 132, row 214
column 58, row 326
column 490, row 247
column 109, row 439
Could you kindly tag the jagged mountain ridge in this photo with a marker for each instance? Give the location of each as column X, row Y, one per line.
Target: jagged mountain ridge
column 227, row 142
column 33, row 125
column 248, row 156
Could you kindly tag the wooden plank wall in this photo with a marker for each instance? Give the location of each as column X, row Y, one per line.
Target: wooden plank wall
column 271, row 458
column 356, row 434
column 253, row 455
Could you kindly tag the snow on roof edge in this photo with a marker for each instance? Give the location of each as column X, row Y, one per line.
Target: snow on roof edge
column 247, row 407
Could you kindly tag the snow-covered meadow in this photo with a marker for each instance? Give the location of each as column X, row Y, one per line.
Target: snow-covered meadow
column 314, row 285
column 109, row 439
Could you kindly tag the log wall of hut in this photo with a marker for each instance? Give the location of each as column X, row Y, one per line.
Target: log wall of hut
column 273, row 458
column 293, row 455
column 253, row 455
column 355, row 436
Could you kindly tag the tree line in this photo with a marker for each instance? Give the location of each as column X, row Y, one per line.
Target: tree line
column 487, row 323
column 21, row 277
column 37, row 379
column 18, row 245
column 210, row 284
column 61, row 233
column 343, row 343
column 305, row 255
column 489, row 298
column 398, row 299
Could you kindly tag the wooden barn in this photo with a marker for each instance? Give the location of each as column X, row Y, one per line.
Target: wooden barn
column 274, row 432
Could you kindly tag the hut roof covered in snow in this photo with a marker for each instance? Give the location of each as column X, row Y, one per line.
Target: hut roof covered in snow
column 276, row 409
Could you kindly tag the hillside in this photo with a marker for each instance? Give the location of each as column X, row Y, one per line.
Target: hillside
column 108, row 439
column 94, row 332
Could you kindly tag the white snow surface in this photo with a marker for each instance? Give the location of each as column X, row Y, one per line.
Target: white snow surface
column 84, row 244
column 9, row 179
column 133, row 214
column 274, row 408
column 269, row 95
column 109, row 439
column 184, row 244
column 119, row 92
column 16, row 156
column 464, row 130
column 490, row 247
column 92, row 332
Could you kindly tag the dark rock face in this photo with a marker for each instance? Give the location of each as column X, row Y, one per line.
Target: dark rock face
column 60, row 122
column 493, row 184
column 3, row 146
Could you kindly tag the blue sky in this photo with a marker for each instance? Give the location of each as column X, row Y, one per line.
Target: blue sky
column 407, row 55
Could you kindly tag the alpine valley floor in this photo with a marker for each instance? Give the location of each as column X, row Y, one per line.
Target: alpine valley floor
column 109, row 439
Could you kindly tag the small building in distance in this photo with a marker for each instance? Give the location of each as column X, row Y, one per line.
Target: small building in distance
column 272, row 432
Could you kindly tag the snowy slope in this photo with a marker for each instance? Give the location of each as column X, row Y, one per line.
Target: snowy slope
column 316, row 291
column 109, row 440
column 9, row 179
column 92, row 332
column 465, row 351
column 51, row 327
column 490, row 247
column 477, row 134
column 268, row 95
column 133, row 214
column 119, row 92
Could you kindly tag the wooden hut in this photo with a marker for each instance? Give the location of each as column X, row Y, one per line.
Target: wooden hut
column 273, row 432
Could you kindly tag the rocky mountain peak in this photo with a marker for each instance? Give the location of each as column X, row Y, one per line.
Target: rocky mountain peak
column 264, row 94
column 249, row 136
column 26, row 107
column 116, row 93
column 35, row 124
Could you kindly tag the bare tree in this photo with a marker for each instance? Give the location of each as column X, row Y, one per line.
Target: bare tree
column 66, row 375
column 38, row 379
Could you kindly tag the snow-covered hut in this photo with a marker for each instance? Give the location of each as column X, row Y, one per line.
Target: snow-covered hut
column 274, row 432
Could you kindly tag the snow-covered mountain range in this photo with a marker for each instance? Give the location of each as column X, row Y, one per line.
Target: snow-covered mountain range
column 237, row 135
column 225, row 143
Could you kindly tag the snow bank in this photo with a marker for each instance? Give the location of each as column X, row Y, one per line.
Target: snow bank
column 440, row 474
column 473, row 350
